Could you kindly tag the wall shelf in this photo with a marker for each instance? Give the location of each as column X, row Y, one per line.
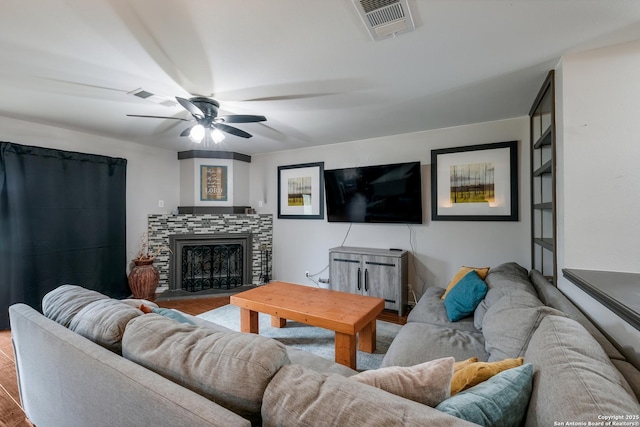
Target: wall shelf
column 546, row 243
column 544, row 169
column 543, row 206
column 545, row 139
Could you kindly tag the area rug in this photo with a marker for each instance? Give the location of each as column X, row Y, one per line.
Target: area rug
column 309, row 338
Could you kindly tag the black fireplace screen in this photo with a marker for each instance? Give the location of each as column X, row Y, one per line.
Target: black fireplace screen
column 212, row 267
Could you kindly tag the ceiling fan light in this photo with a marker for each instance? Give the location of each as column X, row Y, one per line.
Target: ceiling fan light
column 217, row 136
column 197, row 134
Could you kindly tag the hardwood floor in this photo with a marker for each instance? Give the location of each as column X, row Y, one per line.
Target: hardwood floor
column 194, row 306
column 11, row 414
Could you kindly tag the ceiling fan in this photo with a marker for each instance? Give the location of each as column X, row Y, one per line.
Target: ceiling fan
column 205, row 114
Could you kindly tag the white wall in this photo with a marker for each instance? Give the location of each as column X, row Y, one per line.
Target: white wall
column 152, row 173
column 439, row 247
column 598, row 95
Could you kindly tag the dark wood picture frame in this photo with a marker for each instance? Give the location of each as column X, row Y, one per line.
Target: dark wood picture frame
column 503, row 160
column 213, row 183
column 311, row 178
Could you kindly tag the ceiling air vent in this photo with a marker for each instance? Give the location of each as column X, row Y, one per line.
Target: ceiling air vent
column 148, row 96
column 385, row 18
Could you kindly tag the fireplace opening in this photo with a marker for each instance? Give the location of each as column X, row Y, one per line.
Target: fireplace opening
column 209, row 262
column 211, row 267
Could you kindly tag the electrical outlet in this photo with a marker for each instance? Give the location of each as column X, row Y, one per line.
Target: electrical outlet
column 306, row 273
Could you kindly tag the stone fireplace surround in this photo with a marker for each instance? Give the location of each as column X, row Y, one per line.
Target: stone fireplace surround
column 260, row 226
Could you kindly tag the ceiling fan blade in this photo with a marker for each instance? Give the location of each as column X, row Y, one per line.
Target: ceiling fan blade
column 186, row 131
column 158, row 117
column 289, row 97
column 232, row 130
column 195, row 111
column 242, row 118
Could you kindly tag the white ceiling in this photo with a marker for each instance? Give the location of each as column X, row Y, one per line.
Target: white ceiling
column 309, row 66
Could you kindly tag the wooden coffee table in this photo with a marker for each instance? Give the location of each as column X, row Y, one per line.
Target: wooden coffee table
column 346, row 314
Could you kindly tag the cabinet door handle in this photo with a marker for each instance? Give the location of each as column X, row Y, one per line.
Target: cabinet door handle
column 366, row 279
column 359, row 279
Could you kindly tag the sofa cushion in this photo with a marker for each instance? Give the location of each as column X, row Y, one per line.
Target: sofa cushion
column 481, row 271
column 509, row 324
column 64, row 302
column 553, row 297
column 318, row 363
column 569, row 362
column 421, row 342
column 509, row 272
column 505, row 278
column 478, row 314
column 463, row 299
column 300, row 397
column 428, row 383
column 103, row 322
column 500, row 401
column 630, row 373
column 474, row 373
column 230, row 368
column 519, row 296
column 430, row 309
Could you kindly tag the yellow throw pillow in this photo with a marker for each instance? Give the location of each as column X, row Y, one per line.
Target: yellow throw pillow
column 474, row 373
column 482, row 273
column 464, row 363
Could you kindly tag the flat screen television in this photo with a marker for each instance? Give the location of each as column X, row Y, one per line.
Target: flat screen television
column 383, row 194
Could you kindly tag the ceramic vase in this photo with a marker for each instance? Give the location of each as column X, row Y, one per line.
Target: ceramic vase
column 143, row 279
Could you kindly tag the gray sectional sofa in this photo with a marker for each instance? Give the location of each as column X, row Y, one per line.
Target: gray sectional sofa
column 92, row 361
column 579, row 375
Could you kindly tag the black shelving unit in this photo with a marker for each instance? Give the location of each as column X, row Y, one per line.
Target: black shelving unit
column 543, row 181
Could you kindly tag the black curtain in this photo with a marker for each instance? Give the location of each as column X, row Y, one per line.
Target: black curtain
column 62, row 220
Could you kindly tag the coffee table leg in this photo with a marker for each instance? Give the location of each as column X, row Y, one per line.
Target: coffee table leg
column 278, row 322
column 346, row 350
column 367, row 338
column 248, row 320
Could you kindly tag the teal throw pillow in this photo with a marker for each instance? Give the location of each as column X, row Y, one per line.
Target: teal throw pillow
column 172, row 314
column 502, row 400
column 464, row 297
